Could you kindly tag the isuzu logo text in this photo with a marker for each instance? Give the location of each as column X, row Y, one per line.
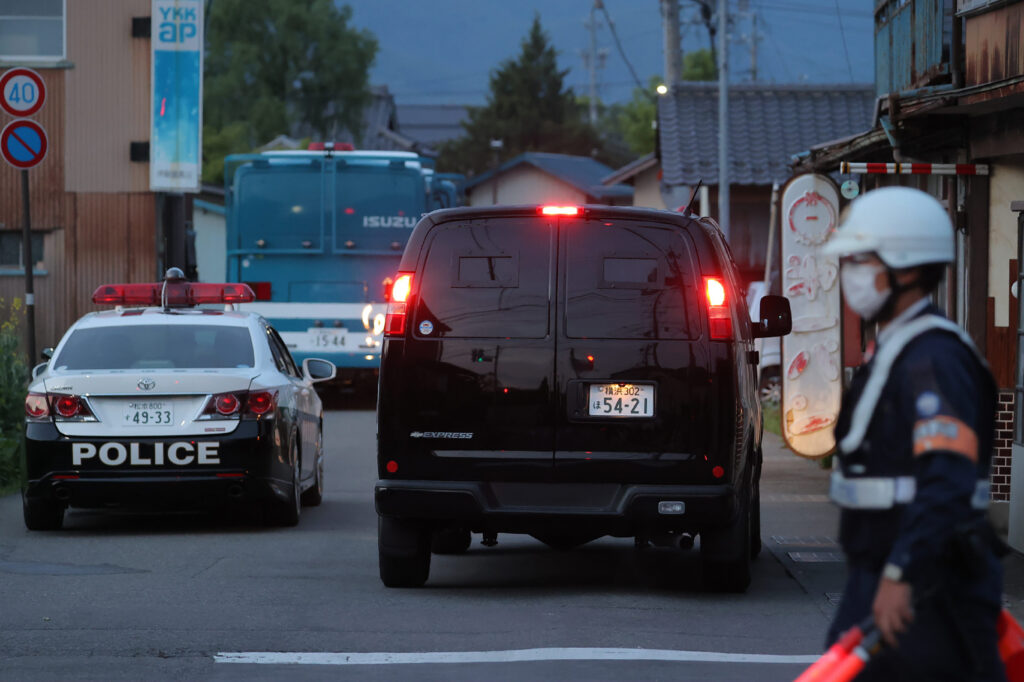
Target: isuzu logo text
column 388, row 221
column 116, row 454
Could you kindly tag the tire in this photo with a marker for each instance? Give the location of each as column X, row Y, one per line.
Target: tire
column 725, row 554
column 287, row 513
column 42, row 514
column 769, row 388
column 563, row 541
column 315, row 495
column 451, row 541
column 403, row 550
column 755, row 510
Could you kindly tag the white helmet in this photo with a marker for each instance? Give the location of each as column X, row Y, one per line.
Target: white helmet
column 905, row 227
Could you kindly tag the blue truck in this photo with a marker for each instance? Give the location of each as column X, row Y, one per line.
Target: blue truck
column 318, row 234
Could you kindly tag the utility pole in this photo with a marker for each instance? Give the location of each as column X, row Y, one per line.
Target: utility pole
column 673, row 56
column 753, row 38
column 593, row 58
column 723, row 117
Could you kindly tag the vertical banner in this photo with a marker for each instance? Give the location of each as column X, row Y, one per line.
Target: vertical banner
column 811, row 360
column 175, row 138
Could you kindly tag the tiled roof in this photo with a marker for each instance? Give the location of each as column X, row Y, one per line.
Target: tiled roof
column 768, row 124
column 582, row 172
column 432, row 124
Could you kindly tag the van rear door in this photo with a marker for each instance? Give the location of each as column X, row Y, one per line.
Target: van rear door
column 477, row 367
column 631, row 361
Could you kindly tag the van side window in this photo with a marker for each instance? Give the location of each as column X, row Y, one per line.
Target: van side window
column 634, row 282
column 486, row 278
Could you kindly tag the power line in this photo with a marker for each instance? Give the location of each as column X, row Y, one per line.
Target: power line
column 842, row 34
column 618, row 45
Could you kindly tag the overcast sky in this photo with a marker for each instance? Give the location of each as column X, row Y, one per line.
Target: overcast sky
column 441, row 51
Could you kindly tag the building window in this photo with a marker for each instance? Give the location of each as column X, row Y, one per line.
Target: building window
column 32, row 30
column 10, row 250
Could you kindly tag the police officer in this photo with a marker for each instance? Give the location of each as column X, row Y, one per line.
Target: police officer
column 915, row 437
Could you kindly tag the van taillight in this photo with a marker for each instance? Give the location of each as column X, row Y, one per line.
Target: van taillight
column 719, row 316
column 394, row 322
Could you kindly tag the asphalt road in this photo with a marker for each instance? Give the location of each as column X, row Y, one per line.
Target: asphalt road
column 117, row 596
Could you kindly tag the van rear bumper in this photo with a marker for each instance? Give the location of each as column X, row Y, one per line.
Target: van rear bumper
column 611, row 509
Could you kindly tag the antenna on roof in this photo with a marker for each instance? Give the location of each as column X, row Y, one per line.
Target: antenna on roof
column 688, row 209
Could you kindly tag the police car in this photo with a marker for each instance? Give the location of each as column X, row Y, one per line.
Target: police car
column 161, row 401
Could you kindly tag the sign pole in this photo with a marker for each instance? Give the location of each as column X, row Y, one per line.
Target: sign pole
column 26, row 257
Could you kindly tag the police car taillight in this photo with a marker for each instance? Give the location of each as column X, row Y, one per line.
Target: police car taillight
column 719, row 315
column 36, row 406
column 70, row 407
column 261, row 402
column 394, row 321
column 226, row 404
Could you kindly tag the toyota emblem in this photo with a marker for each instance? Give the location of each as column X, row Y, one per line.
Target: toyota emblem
column 147, row 384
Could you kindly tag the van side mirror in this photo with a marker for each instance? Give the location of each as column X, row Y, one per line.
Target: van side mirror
column 776, row 317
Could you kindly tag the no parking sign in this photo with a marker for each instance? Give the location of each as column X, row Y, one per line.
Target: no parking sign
column 23, row 143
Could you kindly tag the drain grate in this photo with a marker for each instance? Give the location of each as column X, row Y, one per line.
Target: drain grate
column 816, row 557
column 790, row 497
column 805, row 541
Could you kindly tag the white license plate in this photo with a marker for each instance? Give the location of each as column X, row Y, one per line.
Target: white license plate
column 149, row 413
column 621, row 400
column 326, row 338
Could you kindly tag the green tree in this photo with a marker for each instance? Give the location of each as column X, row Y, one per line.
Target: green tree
column 277, row 65
column 528, row 109
column 634, row 120
column 699, row 65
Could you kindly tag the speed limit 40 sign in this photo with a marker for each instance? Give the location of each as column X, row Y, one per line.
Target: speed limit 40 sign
column 23, row 92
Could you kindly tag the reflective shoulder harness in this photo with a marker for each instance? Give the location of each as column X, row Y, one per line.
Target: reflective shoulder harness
column 885, row 492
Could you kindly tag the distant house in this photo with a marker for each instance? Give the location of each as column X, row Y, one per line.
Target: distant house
column 432, row 124
column 542, row 178
column 644, row 174
column 768, row 124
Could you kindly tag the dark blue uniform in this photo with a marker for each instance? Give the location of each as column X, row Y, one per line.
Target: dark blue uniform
column 934, row 421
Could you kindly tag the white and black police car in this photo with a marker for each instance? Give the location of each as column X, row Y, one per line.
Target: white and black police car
column 163, row 402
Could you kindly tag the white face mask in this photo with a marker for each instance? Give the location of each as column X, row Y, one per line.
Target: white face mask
column 858, row 281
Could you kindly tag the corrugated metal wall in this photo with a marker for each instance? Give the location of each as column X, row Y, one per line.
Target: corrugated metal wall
column 911, row 43
column 92, row 202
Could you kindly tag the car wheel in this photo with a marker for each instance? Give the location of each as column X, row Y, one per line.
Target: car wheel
column 755, row 522
column 403, row 549
column 315, row 495
column 287, row 513
column 769, row 388
column 725, row 554
column 564, row 540
column 451, row 541
column 42, row 514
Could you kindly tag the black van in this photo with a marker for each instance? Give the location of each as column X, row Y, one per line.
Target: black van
column 569, row 372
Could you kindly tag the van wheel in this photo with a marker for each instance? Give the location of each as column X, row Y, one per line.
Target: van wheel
column 726, row 554
column 403, row 551
column 42, row 514
column 769, row 388
column 451, row 541
column 564, row 540
column 755, row 515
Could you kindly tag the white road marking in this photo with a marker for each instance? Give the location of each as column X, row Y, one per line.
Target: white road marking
column 509, row 656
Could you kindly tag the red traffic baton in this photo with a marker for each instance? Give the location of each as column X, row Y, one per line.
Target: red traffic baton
column 823, row 667
column 1011, row 646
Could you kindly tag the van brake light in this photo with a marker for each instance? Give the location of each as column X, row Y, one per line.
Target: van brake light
column 719, row 315
column 394, row 321
column 560, row 210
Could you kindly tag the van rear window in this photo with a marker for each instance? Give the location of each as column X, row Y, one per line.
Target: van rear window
column 486, row 278
column 629, row 280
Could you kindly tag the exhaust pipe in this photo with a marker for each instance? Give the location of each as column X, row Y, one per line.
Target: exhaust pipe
column 235, row 491
column 62, row 493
